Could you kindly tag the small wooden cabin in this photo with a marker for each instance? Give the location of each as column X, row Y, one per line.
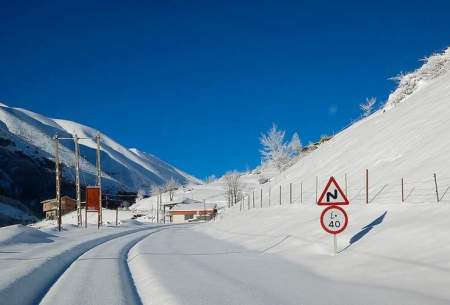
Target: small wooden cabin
column 50, row 206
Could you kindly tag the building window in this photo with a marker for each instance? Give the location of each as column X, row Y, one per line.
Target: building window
column 188, row 217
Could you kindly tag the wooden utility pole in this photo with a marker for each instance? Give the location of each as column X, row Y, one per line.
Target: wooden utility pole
column 204, row 209
column 160, row 200
column 436, row 186
column 164, row 212
column 157, row 208
column 99, row 181
column 77, row 180
column 367, row 186
column 58, row 182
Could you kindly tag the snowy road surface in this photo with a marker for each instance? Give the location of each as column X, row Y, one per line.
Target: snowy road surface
column 183, row 266
column 99, row 276
column 178, row 265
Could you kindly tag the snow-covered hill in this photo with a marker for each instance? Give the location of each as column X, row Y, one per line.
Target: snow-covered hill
column 27, row 159
column 407, row 138
column 398, row 248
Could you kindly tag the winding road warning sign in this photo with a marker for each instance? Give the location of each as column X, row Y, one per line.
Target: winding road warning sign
column 332, row 194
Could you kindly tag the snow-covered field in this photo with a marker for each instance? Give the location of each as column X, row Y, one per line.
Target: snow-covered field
column 390, row 254
column 394, row 247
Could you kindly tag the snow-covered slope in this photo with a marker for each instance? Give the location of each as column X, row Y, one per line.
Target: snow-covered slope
column 27, row 158
column 407, row 141
column 389, row 244
column 434, row 66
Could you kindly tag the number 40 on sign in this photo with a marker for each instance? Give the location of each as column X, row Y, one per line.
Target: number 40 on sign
column 334, row 219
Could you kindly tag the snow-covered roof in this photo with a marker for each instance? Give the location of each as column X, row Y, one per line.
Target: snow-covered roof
column 183, row 200
column 198, row 206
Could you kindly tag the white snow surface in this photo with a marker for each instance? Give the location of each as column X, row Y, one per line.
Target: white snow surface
column 122, row 168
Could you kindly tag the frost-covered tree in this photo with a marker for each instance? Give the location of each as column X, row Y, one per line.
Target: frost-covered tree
column 140, row 195
column 210, row 179
column 274, row 149
column 367, row 106
column 295, row 146
column 433, row 67
column 156, row 190
column 171, row 186
column 232, row 187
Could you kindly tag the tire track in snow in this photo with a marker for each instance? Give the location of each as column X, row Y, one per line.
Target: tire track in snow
column 40, row 279
column 99, row 276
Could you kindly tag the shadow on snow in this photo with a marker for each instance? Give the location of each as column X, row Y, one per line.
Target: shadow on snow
column 365, row 230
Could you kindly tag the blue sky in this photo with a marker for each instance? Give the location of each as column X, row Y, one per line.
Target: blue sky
column 196, row 82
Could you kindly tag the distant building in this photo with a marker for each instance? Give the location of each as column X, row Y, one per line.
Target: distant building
column 50, row 206
column 192, row 211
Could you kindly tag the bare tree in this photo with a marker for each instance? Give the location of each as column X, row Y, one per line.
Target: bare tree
column 140, row 195
column 156, row 190
column 232, row 187
column 367, row 107
column 210, row 179
column 171, row 186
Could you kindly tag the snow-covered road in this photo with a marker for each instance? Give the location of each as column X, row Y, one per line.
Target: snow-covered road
column 184, row 266
column 175, row 264
column 99, row 276
column 34, row 263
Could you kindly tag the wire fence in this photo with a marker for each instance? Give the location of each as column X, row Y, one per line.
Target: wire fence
column 434, row 189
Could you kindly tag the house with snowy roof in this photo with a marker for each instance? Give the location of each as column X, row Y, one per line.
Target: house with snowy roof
column 189, row 210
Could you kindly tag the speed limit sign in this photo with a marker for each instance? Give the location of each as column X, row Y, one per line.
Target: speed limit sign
column 334, row 219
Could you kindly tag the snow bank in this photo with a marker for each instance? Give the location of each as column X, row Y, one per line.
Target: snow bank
column 36, row 267
column 17, row 234
column 384, row 245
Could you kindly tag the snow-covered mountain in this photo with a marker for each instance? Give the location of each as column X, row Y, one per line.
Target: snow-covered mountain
column 27, row 159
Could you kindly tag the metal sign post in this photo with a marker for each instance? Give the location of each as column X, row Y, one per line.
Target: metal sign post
column 334, row 244
column 334, row 220
column 77, row 179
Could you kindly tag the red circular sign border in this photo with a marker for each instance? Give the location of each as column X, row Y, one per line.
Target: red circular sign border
column 345, row 216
